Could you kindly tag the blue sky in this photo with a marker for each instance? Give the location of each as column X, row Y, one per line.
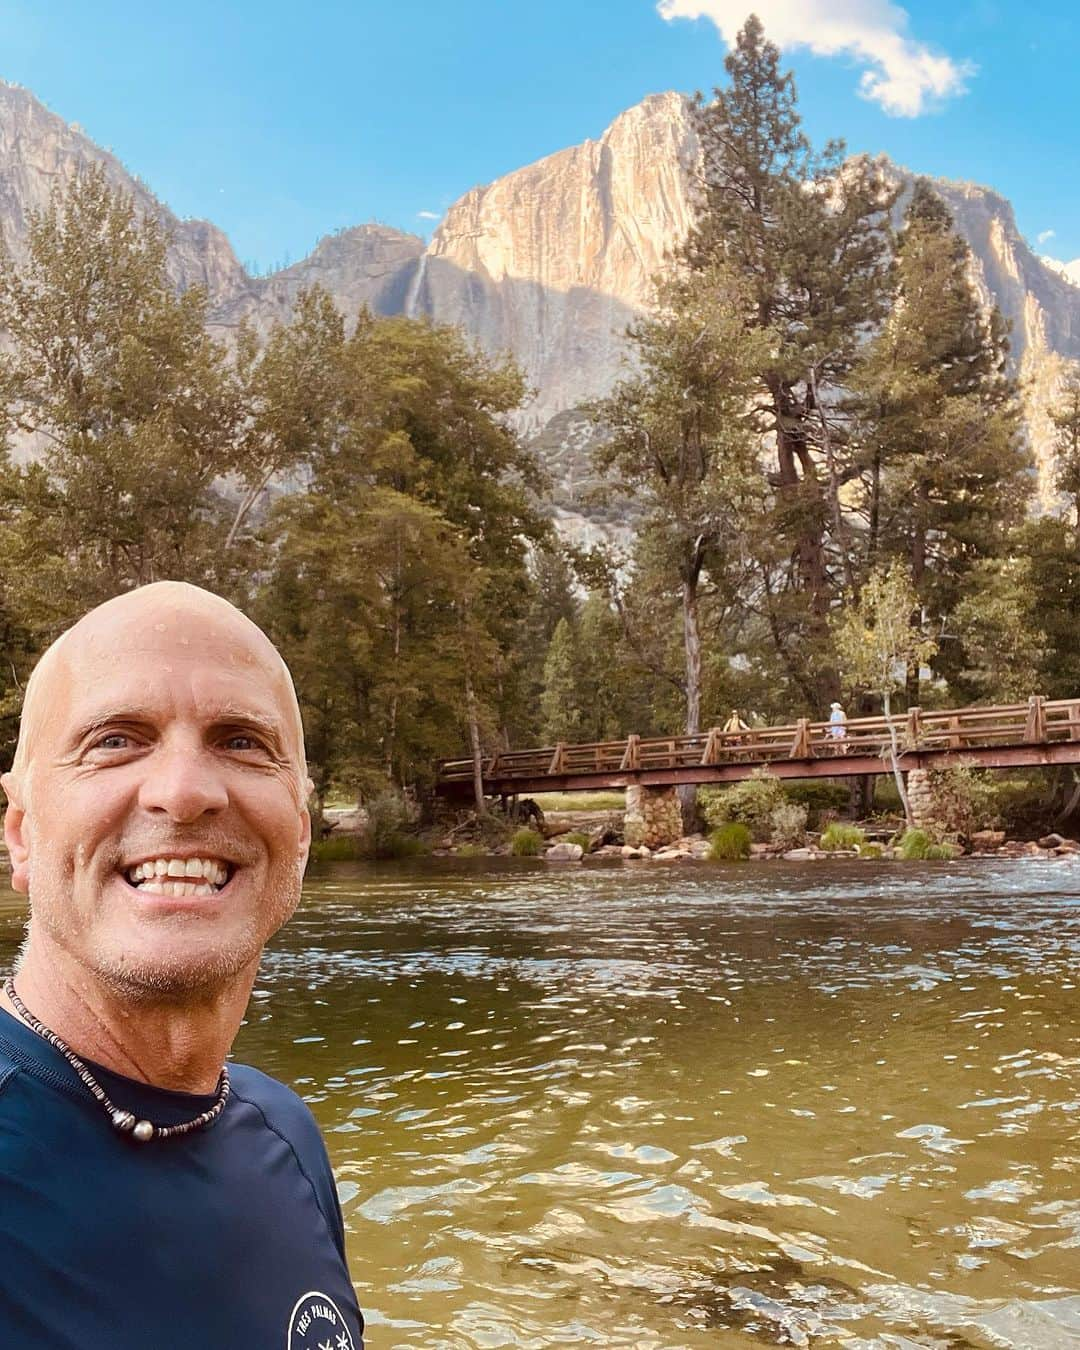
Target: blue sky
column 281, row 122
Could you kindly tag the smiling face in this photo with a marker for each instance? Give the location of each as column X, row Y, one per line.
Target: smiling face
column 157, row 815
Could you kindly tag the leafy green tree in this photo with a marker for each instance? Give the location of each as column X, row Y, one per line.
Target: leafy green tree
column 131, row 406
column 876, row 641
column 677, row 435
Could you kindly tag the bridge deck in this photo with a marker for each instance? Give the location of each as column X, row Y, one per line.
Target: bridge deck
column 1037, row 732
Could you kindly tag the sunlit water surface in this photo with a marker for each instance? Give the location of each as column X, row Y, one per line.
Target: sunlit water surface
column 753, row 1105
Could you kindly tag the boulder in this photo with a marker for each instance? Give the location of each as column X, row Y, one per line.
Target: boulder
column 1051, row 841
column 982, row 840
column 564, row 853
column 799, row 854
column 1067, row 846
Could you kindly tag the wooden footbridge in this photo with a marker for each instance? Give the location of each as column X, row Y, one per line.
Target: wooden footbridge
column 1038, row 732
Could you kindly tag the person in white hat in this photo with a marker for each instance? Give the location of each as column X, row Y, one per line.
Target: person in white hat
column 837, row 722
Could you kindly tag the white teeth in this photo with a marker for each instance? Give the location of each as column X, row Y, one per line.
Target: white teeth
column 194, row 876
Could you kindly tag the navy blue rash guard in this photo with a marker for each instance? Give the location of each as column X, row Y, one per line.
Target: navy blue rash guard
column 229, row 1238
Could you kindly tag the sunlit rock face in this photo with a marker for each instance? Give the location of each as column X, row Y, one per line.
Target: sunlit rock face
column 549, row 263
column 553, row 261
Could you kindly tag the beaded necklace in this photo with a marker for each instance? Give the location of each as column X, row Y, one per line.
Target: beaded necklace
column 121, row 1120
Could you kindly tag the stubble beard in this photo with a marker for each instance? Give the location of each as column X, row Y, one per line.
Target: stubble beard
column 174, row 975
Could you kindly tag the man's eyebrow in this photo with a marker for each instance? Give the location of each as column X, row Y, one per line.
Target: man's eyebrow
column 227, row 715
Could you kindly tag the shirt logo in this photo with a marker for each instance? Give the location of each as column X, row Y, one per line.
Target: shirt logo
column 317, row 1324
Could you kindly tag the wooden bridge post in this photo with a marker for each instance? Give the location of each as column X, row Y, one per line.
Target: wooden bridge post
column 914, row 727
column 800, row 746
column 1035, row 726
column 557, row 759
column 711, row 755
column 631, row 757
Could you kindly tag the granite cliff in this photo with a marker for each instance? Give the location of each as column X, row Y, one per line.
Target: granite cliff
column 549, row 263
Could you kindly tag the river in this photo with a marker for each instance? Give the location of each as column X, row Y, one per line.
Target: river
column 637, row 1106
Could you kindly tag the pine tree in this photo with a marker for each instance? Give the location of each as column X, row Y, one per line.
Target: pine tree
column 944, row 474
column 563, row 717
column 808, row 238
column 1065, row 415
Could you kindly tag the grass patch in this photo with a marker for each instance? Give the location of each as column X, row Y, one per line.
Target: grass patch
column 730, row 842
column 839, row 837
column 918, row 846
column 871, row 851
column 577, row 837
column 359, row 848
column 580, row 801
column 526, row 844
column 470, row 851
column 345, row 848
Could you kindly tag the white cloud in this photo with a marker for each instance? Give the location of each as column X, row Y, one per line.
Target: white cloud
column 428, row 215
column 1045, row 235
column 904, row 76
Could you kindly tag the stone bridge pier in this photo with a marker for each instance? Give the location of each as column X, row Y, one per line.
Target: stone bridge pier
column 653, row 816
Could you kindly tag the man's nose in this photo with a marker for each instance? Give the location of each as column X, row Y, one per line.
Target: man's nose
column 183, row 781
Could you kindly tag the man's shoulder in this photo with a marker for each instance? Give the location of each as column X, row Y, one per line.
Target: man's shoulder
column 283, row 1110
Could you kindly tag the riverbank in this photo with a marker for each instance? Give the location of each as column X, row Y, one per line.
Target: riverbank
column 574, row 837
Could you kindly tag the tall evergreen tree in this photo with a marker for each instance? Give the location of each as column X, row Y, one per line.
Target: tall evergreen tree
column 944, row 474
column 808, row 238
column 677, row 435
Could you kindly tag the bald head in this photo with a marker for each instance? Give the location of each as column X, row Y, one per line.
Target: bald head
column 171, row 618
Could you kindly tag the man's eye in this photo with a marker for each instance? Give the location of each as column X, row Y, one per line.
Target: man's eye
column 242, row 742
column 115, row 740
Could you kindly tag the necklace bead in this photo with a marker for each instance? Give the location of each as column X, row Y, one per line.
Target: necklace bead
column 123, row 1121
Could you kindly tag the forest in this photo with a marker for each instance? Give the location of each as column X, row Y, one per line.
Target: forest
column 818, row 408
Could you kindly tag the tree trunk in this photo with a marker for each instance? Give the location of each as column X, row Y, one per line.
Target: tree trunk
column 692, row 647
column 475, row 744
column 894, row 754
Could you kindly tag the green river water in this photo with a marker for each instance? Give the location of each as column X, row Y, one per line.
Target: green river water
column 638, row 1106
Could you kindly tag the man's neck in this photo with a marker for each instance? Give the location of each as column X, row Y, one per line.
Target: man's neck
column 178, row 1044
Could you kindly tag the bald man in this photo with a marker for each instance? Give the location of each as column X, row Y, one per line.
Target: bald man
column 153, row 1198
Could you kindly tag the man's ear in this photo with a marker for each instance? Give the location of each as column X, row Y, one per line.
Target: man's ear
column 15, row 834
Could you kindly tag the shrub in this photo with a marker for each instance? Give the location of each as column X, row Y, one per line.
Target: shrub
column 840, row 836
column 388, row 814
column 787, row 824
column 750, row 803
column 400, row 845
column 818, row 798
column 730, row 842
column 963, row 799
column 526, row 843
column 918, row 846
column 577, row 837
column 471, row 851
column 871, row 851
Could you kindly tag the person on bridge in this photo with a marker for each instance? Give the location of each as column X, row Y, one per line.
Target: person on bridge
column 734, row 724
column 837, row 722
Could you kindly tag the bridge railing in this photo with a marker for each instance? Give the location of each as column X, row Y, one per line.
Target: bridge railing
column 1036, row 722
